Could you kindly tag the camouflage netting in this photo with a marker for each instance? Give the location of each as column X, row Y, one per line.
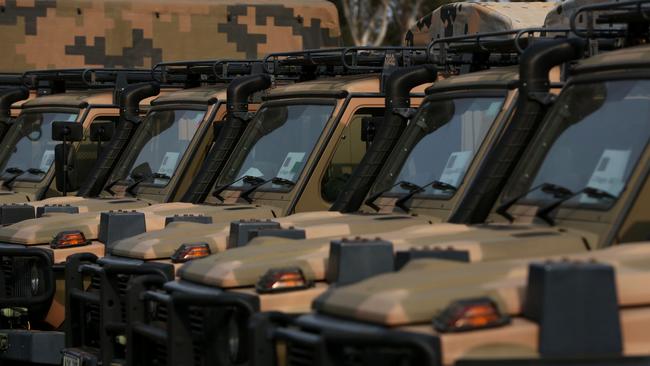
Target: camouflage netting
column 121, row 33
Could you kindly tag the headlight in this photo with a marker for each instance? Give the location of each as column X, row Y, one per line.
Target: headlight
column 35, row 280
column 234, row 340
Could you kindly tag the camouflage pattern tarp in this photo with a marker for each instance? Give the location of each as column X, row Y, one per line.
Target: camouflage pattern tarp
column 457, row 19
column 119, row 33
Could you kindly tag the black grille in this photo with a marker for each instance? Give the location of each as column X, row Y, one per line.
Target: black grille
column 300, row 354
column 374, row 355
column 198, row 331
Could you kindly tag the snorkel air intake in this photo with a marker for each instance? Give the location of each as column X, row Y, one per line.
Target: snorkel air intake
column 129, row 102
column 398, row 100
column 7, row 98
column 534, row 99
column 239, row 90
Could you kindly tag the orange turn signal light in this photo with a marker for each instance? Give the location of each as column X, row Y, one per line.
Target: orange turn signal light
column 188, row 252
column 470, row 314
column 282, row 279
column 69, row 239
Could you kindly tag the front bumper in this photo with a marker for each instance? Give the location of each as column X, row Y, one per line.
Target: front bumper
column 325, row 341
column 189, row 325
column 97, row 293
column 321, row 340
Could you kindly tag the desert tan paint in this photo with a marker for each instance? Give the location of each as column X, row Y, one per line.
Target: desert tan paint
column 119, row 33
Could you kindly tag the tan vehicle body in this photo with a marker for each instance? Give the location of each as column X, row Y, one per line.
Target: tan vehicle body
column 320, row 226
column 118, row 33
column 39, row 232
column 575, row 230
column 91, row 106
column 476, row 16
column 305, row 196
column 409, row 301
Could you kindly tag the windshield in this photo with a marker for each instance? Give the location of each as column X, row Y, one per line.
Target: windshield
column 596, row 133
column 33, row 151
column 164, row 137
column 279, row 143
column 440, row 144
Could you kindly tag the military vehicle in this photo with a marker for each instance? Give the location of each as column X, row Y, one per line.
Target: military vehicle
column 174, row 138
column 335, row 222
column 236, row 271
column 579, row 309
column 116, row 33
column 569, row 312
column 302, row 135
column 79, row 100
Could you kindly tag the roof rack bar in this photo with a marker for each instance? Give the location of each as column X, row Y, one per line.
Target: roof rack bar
column 212, row 71
column 9, row 79
column 339, row 61
column 79, row 78
column 632, row 7
column 408, row 55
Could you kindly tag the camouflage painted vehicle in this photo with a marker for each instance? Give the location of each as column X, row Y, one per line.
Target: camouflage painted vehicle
column 117, row 33
column 174, row 138
column 579, row 309
column 595, row 207
column 464, row 18
column 221, row 291
column 304, row 137
column 81, row 97
column 334, row 222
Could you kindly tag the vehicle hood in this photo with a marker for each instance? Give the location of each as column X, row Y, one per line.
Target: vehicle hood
column 425, row 287
column 94, row 204
column 324, row 224
column 163, row 243
column 41, row 230
column 244, row 266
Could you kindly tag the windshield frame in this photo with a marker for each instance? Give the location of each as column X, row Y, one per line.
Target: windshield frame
column 125, row 164
column 512, row 188
column 81, row 113
column 398, row 158
column 239, row 155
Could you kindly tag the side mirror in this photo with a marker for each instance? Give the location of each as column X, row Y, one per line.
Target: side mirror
column 67, row 131
column 64, row 154
column 102, row 131
column 64, row 168
column 369, row 126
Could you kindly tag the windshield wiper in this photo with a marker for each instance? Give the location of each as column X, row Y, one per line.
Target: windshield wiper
column 15, row 173
column 436, row 184
column 275, row 180
column 370, row 201
column 109, row 186
column 161, row 176
column 591, row 192
column 248, row 179
column 136, row 182
column 548, row 188
column 36, row 171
